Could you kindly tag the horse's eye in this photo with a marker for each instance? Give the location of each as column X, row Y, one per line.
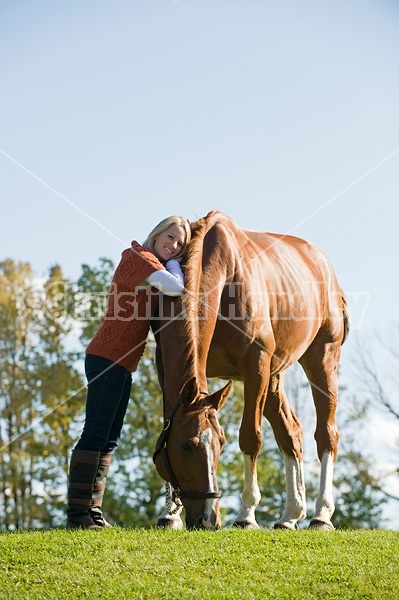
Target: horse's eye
column 188, row 446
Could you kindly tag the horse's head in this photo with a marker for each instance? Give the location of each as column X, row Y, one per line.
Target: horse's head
column 188, row 452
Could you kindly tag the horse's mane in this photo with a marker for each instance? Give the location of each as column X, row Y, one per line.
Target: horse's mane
column 194, row 255
column 193, row 270
column 195, row 248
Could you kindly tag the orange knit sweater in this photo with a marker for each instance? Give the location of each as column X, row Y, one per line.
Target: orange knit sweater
column 126, row 323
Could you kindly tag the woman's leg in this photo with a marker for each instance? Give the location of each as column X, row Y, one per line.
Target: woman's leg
column 108, row 395
column 106, row 455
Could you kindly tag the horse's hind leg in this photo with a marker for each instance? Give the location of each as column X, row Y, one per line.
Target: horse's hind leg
column 288, row 433
column 320, row 363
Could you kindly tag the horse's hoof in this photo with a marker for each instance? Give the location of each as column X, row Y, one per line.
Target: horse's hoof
column 175, row 524
column 285, row 526
column 318, row 525
column 245, row 525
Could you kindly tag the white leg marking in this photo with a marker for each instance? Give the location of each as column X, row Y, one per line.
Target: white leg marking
column 210, row 508
column 296, row 497
column 250, row 495
column 325, row 502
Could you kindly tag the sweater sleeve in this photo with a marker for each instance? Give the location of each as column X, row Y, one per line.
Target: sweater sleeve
column 166, row 282
column 136, row 264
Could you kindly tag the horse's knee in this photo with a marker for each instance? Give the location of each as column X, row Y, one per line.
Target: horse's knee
column 286, row 426
column 327, row 440
column 291, row 443
column 288, row 436
column 250, row 444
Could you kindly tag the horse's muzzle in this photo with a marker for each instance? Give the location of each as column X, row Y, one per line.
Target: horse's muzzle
column 202, row 523
column 207, row 524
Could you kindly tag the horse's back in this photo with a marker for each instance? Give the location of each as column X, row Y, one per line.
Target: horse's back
column 281, row 250
column 288, row 292
column 277, row 255
column 290, row 267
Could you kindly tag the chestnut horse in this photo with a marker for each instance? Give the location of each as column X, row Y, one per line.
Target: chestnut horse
column 255, row 303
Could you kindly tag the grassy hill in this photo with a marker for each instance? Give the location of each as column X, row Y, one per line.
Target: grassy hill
column 150, row 564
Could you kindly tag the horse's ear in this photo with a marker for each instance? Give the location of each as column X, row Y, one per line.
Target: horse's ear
column 219, row 398
column 189, row 391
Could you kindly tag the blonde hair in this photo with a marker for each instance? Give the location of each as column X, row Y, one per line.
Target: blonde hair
column 149, row 242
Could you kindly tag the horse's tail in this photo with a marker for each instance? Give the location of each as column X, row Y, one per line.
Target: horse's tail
column 345, row 316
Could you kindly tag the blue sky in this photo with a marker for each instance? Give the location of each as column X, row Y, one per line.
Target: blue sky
column 116, row 115
column 282, row 114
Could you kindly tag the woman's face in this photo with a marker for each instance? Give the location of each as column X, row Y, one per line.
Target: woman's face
column 170, row 243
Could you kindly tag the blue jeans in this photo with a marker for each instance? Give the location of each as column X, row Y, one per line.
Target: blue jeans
column 108, row 394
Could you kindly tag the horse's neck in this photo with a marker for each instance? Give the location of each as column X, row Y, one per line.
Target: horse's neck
column 211, row 285
column 214, row 258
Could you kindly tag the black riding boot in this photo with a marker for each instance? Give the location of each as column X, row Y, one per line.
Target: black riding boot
column 82, row 474
column 99, row 489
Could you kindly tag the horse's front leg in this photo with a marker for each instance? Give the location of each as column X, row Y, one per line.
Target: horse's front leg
column 250, row 496
column 295, row 507
column 170, row 517
column 288, row 433
column 251, row 439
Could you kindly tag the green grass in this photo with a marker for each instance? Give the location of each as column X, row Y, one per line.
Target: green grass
column 151, row 564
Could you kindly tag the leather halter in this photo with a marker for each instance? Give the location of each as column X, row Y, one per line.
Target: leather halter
column 161, row 449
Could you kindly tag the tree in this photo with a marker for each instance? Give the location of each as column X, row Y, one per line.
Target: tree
column 60, row 394
column 17, row 392
column 89, row 302
column 359, row 499
column 39, row 390
column 378, row 385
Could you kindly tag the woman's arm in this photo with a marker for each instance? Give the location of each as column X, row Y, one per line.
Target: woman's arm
column 169, row 282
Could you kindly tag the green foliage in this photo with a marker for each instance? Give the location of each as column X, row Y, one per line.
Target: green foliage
column 89, row 302
column 39, row 388
column 230, row 564
column 358, row 494
column 17, row 391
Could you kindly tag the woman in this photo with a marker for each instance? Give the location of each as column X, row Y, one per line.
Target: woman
column 113, row 355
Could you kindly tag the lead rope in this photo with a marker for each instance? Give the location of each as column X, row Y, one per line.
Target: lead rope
column 170, row 501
